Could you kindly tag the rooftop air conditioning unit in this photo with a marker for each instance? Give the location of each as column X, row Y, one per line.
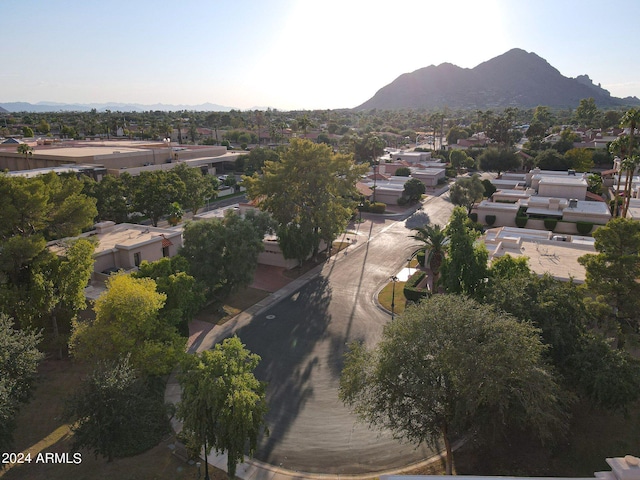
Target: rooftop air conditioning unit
column 573, row 203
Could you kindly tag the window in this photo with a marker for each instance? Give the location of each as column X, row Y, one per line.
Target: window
column 136, row 259
column 165, row 251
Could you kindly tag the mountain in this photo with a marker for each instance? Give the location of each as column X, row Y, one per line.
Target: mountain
column 2, row 110
column 514, row 79
column 101, row 107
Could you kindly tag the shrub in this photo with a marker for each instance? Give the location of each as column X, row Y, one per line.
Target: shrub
column 490, row 219
column 421, row 256
column 584, row 228
column 402, row 201
column 377, row 207
column 410, row 291
column 521, row 220
column 550, row 223
column 474, row 217
column 403, row 172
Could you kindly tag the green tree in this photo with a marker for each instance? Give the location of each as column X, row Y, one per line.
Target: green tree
column 27, row 132
column 594, row 183
column 449, row 366
column 223, row 404
column 467, row 191
column 116, row 414
column 581, row 159
column 19, row 359
column 198, row 187
column 403, row 172
column 552, row 160
column 498, row 160
column 587, row 112
column 591, row 368
column 612, row 273
column 459, row 159
column 456, row 133
column 434, row 240
column 153, row 193
column 111, row 196
column 127, row 322
column 223, row 254
column 413, row 190
column 57, row 288
column 465, row 267
column 311, row 188
column 185, row 296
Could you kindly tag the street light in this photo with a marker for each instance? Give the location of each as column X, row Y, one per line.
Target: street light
column 394, row 279
column 409, row 266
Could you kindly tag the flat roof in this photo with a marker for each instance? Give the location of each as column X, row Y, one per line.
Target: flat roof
column 561, row 180
column 557, row 258
column 77, row 152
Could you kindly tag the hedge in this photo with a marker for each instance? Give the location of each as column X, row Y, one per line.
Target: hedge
column 490, row 219
column 550, row 223
column 521, row 220
column 584, row 228
column 411, row 292
column 377, row 207
column 421, row 256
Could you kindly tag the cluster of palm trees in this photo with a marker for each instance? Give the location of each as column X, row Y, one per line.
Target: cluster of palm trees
column 624, row 147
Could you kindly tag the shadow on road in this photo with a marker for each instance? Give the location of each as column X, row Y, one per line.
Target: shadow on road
column 286, row 344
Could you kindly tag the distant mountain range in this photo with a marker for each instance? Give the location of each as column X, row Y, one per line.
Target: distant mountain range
column 514, row 79
column 101, row 107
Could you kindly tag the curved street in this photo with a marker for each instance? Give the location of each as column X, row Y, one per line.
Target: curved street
column 302, row 339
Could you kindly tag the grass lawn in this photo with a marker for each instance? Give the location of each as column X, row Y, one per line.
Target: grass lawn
column 40, row 429
column 241, row 300
column 386, row 294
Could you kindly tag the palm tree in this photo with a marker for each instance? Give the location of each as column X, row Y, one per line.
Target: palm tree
column 619, row 147
column 629, row 164
column 27, row 151
column 434, row 240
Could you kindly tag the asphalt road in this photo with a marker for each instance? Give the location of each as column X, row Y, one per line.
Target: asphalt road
column 302, row 340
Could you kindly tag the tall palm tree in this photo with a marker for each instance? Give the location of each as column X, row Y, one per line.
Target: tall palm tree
column 434, row 240
column 27, row 151
column 629, row 164
column 620, row 148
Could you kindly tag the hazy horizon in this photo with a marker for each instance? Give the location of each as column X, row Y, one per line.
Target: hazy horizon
column 292, row 54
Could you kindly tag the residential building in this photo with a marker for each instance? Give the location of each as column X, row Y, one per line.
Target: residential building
column 124, row 246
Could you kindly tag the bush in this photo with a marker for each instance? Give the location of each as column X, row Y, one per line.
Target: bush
column 402, row 201
column 490, row 219
column 421, row 257
column 403, row 172
column 521, row 220
column 550, row 223
column 584, row 228
column 410, row 291
column 474, row 217
column 377, row 207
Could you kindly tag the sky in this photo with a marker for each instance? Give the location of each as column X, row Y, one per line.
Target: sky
column 293, row 54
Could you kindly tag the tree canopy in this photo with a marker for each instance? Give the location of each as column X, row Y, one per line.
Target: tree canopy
column 115, row 413
column 310, row 191
column 465, row 267
column 127, row 322
column 223, row 254
column 467, row 191
column 499, row 160
column 450, row 365
column 223, row 404
column 612, row 273
column 19, row 359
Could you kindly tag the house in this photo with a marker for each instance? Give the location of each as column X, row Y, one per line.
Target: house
column 124, row 246
column 548, row 253
column 543, row 213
